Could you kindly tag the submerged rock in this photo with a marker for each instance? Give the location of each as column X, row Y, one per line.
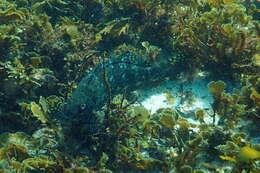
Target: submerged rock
column 125, row 73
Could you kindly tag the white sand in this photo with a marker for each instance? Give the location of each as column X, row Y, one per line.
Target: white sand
column 200, row 98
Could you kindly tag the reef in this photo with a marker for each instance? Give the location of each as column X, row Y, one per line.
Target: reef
column 129, row 86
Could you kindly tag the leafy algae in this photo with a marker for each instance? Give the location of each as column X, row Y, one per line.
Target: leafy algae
column 48, row 46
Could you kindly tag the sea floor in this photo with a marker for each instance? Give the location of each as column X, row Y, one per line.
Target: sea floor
column 185, row 97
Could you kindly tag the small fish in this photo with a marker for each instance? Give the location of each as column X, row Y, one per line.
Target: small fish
column 245, row 154
column 248, row 153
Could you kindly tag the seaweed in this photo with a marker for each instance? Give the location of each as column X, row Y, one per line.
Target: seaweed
column 49, row 48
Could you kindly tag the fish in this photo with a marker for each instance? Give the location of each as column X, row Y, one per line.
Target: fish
column 125, row 74
column 246, row 154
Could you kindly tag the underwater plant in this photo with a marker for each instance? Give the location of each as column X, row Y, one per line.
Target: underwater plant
column 48, row 46
column 216, row 41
